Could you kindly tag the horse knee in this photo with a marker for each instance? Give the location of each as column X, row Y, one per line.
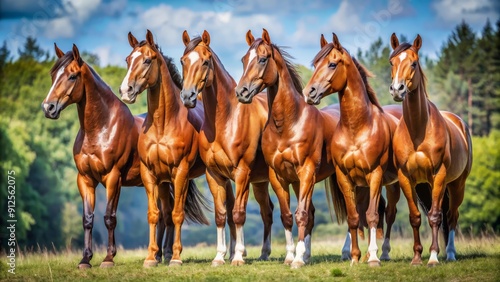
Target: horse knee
column 353, row 221
column 153, row 217
column 239, row 217
column 88, row 221
column 110, row 221
column 220, row 219
column 301, row 217
column 435, row 218
column 287, row 221
column 415, row 220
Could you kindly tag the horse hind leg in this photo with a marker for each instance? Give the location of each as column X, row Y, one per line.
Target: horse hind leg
column 456, row 191
column 261, row 193
column 393, row 193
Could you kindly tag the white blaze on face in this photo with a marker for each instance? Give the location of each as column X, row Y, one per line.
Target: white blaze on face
column 401, row 57
column 193, row 57
column 124, row 86
column 58, row 75
column 251, row 57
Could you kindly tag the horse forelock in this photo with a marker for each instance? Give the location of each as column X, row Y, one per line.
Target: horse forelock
column 61, row 62
column 401, row 48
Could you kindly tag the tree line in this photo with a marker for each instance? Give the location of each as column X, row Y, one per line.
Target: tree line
column 463, row 79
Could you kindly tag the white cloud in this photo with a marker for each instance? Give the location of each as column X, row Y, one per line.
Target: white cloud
column 454, row 11
column 346, row 19
column 107, row 56
column 59, row 28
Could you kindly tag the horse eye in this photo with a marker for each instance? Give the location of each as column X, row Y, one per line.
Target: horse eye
column 332, row 65
column 262, row 60
column 205, row 63
column 72, row 77
column 413, row 65
column 390, row 62
column 147, row 61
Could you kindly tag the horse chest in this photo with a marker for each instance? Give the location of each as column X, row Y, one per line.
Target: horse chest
column 216, row 158
column 160, row 154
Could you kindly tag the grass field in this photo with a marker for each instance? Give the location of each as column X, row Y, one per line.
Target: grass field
column 478, row 260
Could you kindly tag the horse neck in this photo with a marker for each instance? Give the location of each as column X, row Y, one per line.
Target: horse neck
column 285, row 101
column 355, row 105
column 164, row 101
column 416, row 111
column 219, row 99
column 97, row 102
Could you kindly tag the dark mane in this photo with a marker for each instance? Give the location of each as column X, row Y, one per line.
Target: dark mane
column 403, row 47
column 369, row 90
column 322, row 53
column 297, row 82
column 62, row 62
column 172, row 68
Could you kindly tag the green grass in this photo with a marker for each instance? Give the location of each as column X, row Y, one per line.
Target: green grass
column 478, row 260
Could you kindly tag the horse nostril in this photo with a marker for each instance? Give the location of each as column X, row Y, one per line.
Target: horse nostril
column 130, row 89
column 391, row 88
column 51, row 108
column 401, row 87
column 312, row 90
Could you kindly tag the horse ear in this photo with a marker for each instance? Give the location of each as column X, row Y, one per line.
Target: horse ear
column 417, row 43
column 185, row 38
column 149, row 38
column 76, row 54
column 266, row 37
column 132, row 40
column 59, row 52
column 322, row 41
column 394, row 41
column 250, row 38
column 336, row 42
column 205, row 37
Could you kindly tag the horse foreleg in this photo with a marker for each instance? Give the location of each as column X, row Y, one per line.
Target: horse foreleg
column 282, row 191
column 372, row 215
column 307, row 176
column 393, row 193
column 242, row 176
column 151, row 188
column 435, row 214
column 261, row 193
column 217, row 187
column 180, row 183
column 230, row 221
column 86, row 186
column 113, row 187
column 348, row 191
column 165, row 225
column 410, row 194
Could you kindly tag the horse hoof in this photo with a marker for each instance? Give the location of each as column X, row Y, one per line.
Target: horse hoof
column 237, row 262
column 385, row 257
column 346, row 256
column 263, row 258
column 107, row 264
column 374, row 263
column 432, row 263
column 416, row 263
column 150, row 263
column 216, row 263
column 175, row 263
column 296, row 265
column 84, row 266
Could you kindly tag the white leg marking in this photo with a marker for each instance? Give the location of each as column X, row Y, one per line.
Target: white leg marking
column 346, row 249
column 434, row 257
column 240, row 245
column 290, row 247
column 221, row 245
column 124, row 85
column 299, row 255
column 373, row 248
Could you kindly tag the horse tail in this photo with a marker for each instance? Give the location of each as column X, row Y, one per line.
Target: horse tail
column 335, row 200
column 195, row 205
column 424, row 196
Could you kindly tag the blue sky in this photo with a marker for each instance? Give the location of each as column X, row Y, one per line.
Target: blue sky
column 101, row 26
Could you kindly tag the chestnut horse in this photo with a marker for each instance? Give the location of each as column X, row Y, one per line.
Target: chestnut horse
column 105, row 148
column 430, row 147
column 229, row 142
column 295, row 141
column 362, row 144
column 168, row 140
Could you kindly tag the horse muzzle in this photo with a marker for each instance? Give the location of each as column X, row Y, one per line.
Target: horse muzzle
column 398, row 91
column 244, row 94
column 189, row 98
column 51, row 110
column 312, row 96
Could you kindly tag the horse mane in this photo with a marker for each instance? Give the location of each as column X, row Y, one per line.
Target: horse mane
column 172, row 68
column 365, row 74
column 297, row 82
column 403, row 47
column 363, row 71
